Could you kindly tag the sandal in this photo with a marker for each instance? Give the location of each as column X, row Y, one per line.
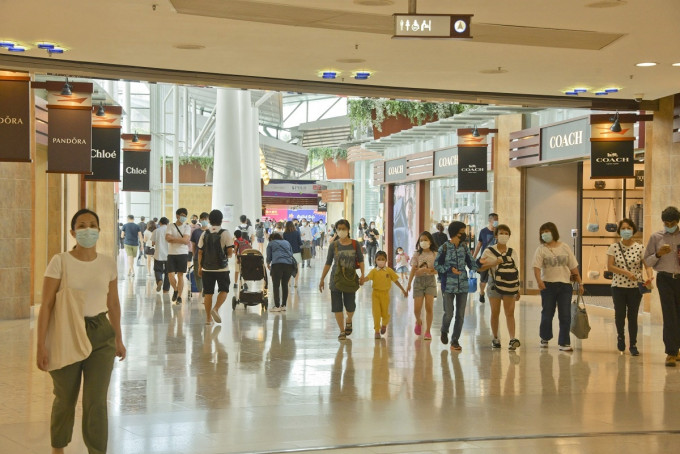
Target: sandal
column 348, row 328
column 342, row 336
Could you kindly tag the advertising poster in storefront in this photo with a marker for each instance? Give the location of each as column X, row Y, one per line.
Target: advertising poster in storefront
column 613, row 159
column 291, row 188
column 405, row 228
column 472, row 170
column 136, row 171
column 105, row 155
column 277, row 213
column 306, row 213
column 15, row 120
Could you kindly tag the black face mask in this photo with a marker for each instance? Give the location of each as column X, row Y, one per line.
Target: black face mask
column 194, row 221
column 462, row 236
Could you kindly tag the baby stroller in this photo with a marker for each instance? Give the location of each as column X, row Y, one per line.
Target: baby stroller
column 252, row 269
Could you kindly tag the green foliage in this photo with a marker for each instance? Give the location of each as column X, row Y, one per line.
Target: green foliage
column 360, row 111
column 204, row 162
column 318, row 154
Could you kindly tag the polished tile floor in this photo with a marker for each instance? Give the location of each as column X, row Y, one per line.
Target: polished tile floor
column 282, row 382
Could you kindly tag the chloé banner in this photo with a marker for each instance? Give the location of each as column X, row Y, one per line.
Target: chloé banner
column 612, row 153
column 472, row 169
column 15, row 117
column 105, row 144
column 136, row 162
column 69, row 127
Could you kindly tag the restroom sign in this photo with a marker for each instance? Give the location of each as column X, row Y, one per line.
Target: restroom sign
column 432, row 26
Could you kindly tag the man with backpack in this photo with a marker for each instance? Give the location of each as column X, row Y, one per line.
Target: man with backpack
column 247, row 231
column 503, row 284
column 452, row 262
column 259, row 234
column 215, row 246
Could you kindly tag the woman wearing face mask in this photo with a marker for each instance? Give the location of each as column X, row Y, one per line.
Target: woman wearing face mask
column 371, row 236
column 554, row 268
column 344, row 254
column 625, row 259
column 307, row 238
column 96, row 275
column 492, row 257
column 425, row 288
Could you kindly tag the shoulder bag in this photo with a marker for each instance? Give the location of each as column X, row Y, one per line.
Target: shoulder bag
column 66, row 341
column 580, row 326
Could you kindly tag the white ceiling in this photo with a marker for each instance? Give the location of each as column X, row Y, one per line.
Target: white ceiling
column 130, row 32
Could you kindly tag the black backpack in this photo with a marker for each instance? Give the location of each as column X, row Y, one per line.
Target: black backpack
column 244, row 233
column 214, row 255
column 506, row 277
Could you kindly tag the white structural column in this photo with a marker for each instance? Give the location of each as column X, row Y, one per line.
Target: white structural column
column 255, row 162
column 175, row 151
column 227, row 178
column 245, row 155
column 155, row 209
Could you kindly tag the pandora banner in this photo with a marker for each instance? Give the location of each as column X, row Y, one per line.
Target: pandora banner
column 15, row 119
column 472, row 169
column 69, row 145
column 105, row 144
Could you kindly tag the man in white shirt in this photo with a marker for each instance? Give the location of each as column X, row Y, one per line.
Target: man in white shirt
column 307, row 238
column 213, row 267
column 247, row 231
column 177, row 235
column 160, row 256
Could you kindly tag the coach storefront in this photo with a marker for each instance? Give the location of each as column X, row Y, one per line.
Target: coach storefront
column 442, row 185
column 580, row 174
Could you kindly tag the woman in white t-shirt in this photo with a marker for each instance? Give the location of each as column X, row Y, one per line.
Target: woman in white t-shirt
column 625, row 260
column 491, row 258
column 555, row 267
column 95, row 275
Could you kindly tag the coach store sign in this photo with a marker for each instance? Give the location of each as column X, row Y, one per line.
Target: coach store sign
column 15, row 120
column 446, row 162
column 565, row 140
column 395, row 170
column 612, row 149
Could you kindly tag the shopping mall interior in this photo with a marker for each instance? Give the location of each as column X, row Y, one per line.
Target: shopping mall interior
column 405, row 114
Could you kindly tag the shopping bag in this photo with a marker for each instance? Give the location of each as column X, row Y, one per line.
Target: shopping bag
column 580, row 326
column 472, row 282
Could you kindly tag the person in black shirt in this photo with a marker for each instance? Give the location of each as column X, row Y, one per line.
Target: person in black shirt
column 440, row 237
column 371, row 235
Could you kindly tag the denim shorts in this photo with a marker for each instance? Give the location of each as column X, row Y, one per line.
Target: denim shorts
column 424, row 285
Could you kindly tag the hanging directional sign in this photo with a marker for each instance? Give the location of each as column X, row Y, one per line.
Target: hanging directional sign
column 455, row 26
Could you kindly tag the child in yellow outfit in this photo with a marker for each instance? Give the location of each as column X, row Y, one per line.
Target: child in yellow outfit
column 382, row 277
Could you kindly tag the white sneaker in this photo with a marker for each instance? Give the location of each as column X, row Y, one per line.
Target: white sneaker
column 275, row 309
column 566, row 348
column 283, row 308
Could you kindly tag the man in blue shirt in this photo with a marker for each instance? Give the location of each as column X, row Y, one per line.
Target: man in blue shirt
column 132, row 238
column 487, row 237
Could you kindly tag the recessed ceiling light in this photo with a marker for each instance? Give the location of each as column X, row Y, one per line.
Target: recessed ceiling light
column 45, row 46
column 571, row 93
column 645, row 64
column 328, row 74
column 189, row 46
column 17, row 49
column 55, row 50
column 675, row 64
column 601, row 93
column 7, row 44
column 581, row 90
column 350, row 60
column 362, row 75
column 611, row 90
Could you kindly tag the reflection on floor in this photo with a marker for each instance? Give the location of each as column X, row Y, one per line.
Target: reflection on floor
column 266, row 382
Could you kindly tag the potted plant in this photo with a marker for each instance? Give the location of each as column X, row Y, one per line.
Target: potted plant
column 386, row 116
column 334, row 161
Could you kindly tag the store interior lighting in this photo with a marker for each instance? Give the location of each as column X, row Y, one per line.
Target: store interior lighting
column 616, row 126
column 135, row 138
column 100, row 110
column 66, row 91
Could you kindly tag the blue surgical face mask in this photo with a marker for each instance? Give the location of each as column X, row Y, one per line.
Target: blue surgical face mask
column 670, row 229
column 626, row 234
column 205, row 223
column 182, row 219
column 546, row 237
column 495, row 223
column 87, row 238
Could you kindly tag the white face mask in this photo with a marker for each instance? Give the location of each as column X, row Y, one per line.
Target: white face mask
column 343, row 233
column 425, row 245
column 381, row 263
column 503, row 239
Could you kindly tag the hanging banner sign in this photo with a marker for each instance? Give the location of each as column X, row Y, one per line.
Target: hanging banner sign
column 612, row 160
column 105, row 144
column 472, row 169
column 639, row 178
column 612, row 154
column 15, row 117
column 136, row 162
column 446, row 162
column 69, row 128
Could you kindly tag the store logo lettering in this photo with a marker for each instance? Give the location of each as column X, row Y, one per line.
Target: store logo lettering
column 472, row 168
column 612, row 158
column 396, row 170
column 69, row 141
column 566, row 140
column 135, row 171
column 11, row 121
column 448, row 161
column 103, row 154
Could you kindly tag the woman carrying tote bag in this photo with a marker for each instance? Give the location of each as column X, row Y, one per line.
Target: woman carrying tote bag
column 76, row 340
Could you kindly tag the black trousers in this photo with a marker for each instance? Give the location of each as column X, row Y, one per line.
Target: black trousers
column 626, row 304
column 159, row 269
column 669, row 294
column 371, row 249
column 281, row 273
